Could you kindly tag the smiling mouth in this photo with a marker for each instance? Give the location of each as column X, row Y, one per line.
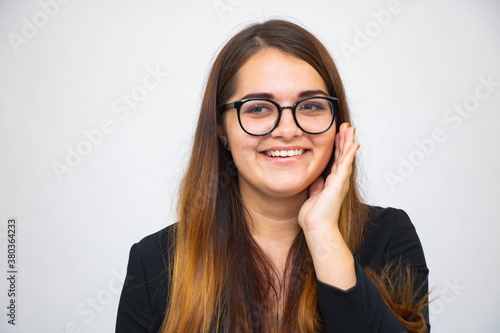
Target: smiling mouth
column 284, row 153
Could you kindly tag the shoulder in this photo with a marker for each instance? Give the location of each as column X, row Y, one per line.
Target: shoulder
column 157, row 241
column 142, row 301
column 386, row 217
column 383, row 222
column 390, row 236
column 154, row 250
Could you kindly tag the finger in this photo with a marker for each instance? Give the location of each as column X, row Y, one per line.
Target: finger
column 342, row 129
column 339, row 139
column 348, row 139
column 343, row 163
column 337, row 147
column 341, row 173
column 348, row 158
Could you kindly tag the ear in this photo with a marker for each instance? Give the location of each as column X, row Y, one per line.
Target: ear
column 221, row 133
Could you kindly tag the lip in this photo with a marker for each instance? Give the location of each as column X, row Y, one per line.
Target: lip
column 285, row 148
column 285, row 160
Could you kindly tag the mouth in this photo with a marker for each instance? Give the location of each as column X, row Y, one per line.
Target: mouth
column 284, row 153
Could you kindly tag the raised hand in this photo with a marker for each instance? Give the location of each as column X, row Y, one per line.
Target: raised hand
column 318, row 217
column 320, row 212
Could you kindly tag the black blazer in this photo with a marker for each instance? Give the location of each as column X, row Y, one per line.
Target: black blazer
column 391, row 236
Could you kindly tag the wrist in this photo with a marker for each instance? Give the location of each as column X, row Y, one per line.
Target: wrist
column 324, row 232
column 333, row 261
column 327, row 244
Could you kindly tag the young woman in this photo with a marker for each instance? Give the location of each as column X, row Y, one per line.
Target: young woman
column 272, row 235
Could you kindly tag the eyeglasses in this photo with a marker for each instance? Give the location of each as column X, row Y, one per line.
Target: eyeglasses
column 260, row 116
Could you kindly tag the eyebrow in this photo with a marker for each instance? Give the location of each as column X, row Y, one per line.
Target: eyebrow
column 302, row 94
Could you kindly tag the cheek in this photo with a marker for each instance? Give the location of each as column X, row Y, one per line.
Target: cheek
column 326, row 140
column 327, row 155
column 242, row 146
column 326, row 148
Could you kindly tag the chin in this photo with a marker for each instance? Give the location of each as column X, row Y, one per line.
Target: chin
column 287, row 191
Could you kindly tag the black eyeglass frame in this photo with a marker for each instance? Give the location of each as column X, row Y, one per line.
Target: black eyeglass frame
column 237, row 105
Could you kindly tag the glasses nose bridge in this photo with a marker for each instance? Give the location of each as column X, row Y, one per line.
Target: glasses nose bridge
column 280, row 120
column 292, row 109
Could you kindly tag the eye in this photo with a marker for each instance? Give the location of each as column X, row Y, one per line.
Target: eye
column 257, row 109
column 312, row 108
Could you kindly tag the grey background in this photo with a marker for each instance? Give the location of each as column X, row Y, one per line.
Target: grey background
column 70, row 73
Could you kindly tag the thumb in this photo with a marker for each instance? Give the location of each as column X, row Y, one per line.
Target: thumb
column 316, row 187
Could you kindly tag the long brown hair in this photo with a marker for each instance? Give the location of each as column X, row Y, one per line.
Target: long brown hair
column 221, row 280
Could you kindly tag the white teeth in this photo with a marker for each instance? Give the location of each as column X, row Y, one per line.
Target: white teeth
column 284, row 153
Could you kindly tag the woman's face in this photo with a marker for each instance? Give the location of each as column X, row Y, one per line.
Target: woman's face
column 285, row 79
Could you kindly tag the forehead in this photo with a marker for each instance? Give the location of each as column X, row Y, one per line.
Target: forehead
column 278, row 73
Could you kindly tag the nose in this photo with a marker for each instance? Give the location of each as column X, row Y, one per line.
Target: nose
column 287, row 128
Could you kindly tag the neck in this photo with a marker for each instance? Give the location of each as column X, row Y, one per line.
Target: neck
column 273, row 221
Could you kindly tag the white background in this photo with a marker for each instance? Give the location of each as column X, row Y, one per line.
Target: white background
column 69, row 73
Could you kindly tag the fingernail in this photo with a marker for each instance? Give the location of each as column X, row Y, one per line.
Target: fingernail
column 358, row 147
column 348, row 124
column 354, row 131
